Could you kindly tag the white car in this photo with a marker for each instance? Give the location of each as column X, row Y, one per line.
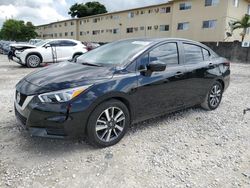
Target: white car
column 48, row 51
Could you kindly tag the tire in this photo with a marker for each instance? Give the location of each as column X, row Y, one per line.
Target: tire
column 213, row 97
column 75, row 57
column 33, row 61
column 104, row 133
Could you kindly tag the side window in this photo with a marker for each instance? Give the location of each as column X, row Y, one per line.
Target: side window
column 206, row 54
column 193, row 53
column 67, row 43
column 54, row 43
column 166, row 53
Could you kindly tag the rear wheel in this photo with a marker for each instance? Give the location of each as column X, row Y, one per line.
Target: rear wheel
column 108, row 123
column 33, row 61
column 74, row 59
column 213, row 98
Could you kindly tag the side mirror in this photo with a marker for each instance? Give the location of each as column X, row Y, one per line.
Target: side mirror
column 156, row 66
column 47, row 46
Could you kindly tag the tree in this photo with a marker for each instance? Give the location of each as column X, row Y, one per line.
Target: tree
column 17, row 30
column 87, row 9
column 244, row 24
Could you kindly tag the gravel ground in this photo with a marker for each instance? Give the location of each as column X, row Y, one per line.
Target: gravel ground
column 191, row 148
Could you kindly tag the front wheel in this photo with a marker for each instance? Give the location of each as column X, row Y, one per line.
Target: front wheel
column 213, row 97
column 108, row 123
column 33, row 61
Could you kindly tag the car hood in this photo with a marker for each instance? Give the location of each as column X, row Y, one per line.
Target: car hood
column 21, row 46
column 62, row 76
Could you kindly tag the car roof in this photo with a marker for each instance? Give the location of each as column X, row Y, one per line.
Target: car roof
column 61, row 40
column 158, row 40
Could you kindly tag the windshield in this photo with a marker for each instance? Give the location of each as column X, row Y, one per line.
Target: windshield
column 115, row 53
column 41, row 43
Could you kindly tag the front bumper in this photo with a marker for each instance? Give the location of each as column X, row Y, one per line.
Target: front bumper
column 50, row 120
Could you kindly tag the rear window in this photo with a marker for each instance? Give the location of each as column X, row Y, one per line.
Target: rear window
column 193, row 53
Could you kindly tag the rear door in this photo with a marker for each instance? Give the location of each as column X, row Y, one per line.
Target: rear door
column 67, row 49
column 198, row 64
column 160, row 92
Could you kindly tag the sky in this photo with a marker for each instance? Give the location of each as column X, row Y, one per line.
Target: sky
column 46, row 11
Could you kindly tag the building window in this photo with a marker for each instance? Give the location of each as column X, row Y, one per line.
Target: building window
column 71, row 23
column 81, row 33
column 142, row 28
column 72, row 33
column 130, row 30
column 136, row 29
column 131, row 15
column 209, row 24
column 183, row 26
column 142, row 11
column 55, row 25
column 55, row 34
column 66, row 34
column 115, row 31
column 185, row 6
column 80, row 22
column 95, row 20
column 165, row 10
column 102, row 31
column 115, row 17
column 60, row 25
column 211, row 2
column 96, row 32
column 236, row 3
column 164, row 27
column 149, row 27
column 60, row 34
column 65, row 24
column 150, row 11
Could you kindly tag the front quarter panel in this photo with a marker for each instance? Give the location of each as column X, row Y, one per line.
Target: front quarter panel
column 122, row 87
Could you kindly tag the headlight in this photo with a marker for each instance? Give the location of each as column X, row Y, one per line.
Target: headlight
column 62, row 95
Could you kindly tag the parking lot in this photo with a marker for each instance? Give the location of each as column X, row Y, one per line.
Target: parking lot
column 190, row 148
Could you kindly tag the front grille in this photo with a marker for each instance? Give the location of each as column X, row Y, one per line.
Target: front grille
column 20, row 117
column 22, row 98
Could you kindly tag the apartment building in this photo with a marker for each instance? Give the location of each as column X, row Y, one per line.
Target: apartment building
column 200, row 20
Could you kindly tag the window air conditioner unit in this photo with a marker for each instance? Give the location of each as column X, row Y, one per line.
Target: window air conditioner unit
column 245, row 44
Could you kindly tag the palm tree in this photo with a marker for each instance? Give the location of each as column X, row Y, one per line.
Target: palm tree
column 244, row 24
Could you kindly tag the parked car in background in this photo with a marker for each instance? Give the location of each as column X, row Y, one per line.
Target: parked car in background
column 34, row 41
column 47, row 51
column 5, row 46
column 91, row 45
column 118, row 84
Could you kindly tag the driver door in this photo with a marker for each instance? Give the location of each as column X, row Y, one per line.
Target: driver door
column 160, row 92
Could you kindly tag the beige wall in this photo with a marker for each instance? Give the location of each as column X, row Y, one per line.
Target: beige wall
column 222, row 13
column 123, row 22
column 195, row 16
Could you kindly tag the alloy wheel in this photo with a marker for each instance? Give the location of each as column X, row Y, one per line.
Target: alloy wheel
column 33, row 60
column 110, row 124
column 215, row 95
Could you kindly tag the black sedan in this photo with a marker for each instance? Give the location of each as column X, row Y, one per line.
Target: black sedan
column 117, row 84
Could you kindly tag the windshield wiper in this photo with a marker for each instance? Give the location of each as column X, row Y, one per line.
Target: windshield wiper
column 91, row 64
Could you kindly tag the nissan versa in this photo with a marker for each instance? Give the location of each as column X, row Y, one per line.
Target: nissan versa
column 120, row 83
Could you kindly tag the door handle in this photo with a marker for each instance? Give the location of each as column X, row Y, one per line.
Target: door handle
column 211, row 65
column 179, row 74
